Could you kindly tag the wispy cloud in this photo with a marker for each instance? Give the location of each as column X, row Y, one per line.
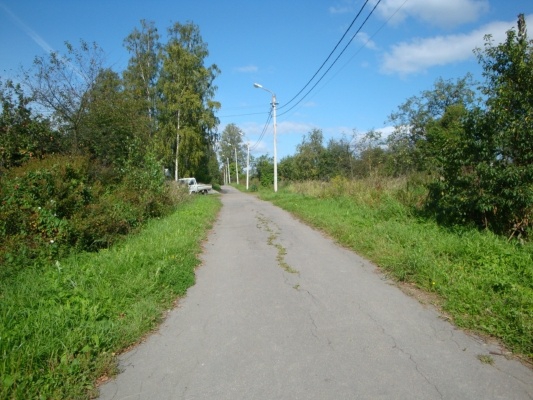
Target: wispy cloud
column 365, row 40
column 442, row 13
column 340, row 10
column 420, row 54
column 247, row 69
column 30, row 32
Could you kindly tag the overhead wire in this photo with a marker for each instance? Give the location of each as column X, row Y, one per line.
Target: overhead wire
column 328, row 57
column 254, row 146
column 371, row 37
column 335, row 61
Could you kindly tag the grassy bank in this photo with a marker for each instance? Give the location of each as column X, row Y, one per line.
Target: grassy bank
column 61, row 327
column 485, row 283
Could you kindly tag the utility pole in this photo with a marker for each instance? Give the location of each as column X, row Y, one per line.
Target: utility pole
column 229, row 172
column 236, row 166
column 274, row 103
column 275, row 150
column 177, row 147
column 247, row 165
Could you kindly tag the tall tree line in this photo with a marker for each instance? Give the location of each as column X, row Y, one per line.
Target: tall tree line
column 162, row 104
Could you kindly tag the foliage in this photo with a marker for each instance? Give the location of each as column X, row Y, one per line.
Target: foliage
column 413, row 116
column 61, row 83
column 52, row 206
column 62, row 325
column 230, row 144
column 486, row 168
column 310, row 157
column 109, row 126
column 140, row 77
column 485, row 282
column 23, row 134
column 264, row 170
column 186, row 113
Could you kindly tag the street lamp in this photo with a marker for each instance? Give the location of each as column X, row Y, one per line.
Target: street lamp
column 257, row 85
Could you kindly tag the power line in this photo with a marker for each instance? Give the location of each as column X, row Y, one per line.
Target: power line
column 335, row 61
column 240, row 115
column 329, row 56
column 254, row 146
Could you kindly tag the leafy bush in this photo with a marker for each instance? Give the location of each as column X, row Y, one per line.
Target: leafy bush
column 52, row 206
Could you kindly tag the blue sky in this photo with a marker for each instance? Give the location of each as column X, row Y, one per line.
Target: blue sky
column 401, row 50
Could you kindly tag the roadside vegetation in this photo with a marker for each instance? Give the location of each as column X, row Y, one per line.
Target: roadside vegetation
column 62, row 325
column 96, row 241
column 483, row 282
column 445, row 202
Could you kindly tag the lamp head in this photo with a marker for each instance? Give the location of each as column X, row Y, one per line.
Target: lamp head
column 257, row 85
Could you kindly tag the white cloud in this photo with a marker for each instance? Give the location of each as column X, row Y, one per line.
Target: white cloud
column 343, row 8
column 419, row 54
column 364, row 39
column 442, row 13
column 247, row 69
column 289, row 127
column 340, row 10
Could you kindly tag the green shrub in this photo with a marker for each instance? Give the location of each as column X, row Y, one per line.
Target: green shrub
column 53, row 206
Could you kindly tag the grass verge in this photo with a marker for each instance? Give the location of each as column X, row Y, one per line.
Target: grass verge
column 61, row 327
column 485, row 283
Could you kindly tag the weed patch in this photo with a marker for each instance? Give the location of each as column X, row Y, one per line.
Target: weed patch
column 61, row 325
column 273, row 236
column 485, row 282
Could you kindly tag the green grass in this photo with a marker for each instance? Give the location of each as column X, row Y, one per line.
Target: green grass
column 485, row 283
column 61, row 327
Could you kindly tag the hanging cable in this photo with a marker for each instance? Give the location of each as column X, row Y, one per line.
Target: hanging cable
column 335, row 61
column 329, row 56
column 254, row 146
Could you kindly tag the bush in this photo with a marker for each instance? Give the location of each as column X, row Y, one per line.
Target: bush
column 51, row 207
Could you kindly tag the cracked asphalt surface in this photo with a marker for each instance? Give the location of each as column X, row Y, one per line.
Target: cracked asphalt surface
column 281, row 312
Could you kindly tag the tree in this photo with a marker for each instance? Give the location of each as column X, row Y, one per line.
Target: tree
column 61, row 83
column 264, row 170
column 310, row 157
column 413, row 116
column 231, row 142
column 339, row 158
column 110, row 122
column 143, row 70
column 487, row 172
column 187, row 118
column 23, row 134
column 369, row 153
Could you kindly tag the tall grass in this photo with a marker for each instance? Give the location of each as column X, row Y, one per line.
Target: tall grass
column 61, row 327
column 485, row 282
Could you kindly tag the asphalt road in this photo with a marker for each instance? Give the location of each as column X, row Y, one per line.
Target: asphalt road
column 281, row 312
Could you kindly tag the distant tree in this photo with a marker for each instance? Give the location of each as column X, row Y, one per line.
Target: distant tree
column 310, row 157
column 287, row 168
column 110, row 123
column 188, row 126
column 60, row 83
column 339, row 158
column 413, row 116
column 370, row 154
column 231, row 140
column 264, row 170
column 142, row 73
column 23, row 134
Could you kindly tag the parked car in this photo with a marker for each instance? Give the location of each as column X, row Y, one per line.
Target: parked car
column 195, row 187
